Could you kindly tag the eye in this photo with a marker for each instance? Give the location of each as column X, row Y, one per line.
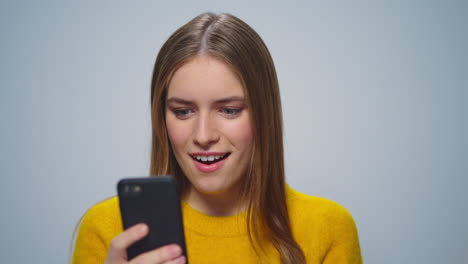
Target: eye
column 182, row 113
column 231, row 112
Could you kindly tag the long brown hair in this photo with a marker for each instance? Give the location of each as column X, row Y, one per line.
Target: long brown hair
column 227, row 38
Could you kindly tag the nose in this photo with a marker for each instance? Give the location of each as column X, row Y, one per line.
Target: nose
column 205, row 133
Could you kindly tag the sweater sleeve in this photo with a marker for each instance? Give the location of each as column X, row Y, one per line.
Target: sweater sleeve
column 345, row 242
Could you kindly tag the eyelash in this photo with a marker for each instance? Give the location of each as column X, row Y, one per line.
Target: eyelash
column 234, row 112
column 229, row 112
column 182, row 113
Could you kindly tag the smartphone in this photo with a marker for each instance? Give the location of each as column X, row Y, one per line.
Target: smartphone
column 155, row 202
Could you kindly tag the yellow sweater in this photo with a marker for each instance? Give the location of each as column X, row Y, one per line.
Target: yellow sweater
column 324, row 230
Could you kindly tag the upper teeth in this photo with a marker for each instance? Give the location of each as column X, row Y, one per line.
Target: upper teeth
column 209, row 158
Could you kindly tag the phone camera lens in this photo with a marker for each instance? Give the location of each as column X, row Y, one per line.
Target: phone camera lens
column 137, row 188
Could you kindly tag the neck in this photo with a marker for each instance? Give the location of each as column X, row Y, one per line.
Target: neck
column 219, row 204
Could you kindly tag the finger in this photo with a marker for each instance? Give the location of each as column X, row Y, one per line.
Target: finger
column 160, row 255
column 118, row 246
column 179, row 260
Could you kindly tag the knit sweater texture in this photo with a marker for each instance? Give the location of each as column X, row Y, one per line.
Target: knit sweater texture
column 324, row 230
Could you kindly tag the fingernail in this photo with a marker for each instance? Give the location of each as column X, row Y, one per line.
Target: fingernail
column 175, row 250
column 142, row 229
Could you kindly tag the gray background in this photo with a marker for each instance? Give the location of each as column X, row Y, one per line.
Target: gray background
column 374, row 98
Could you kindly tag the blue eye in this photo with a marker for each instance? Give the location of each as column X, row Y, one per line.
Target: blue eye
column 231, row 111
column 182, row 113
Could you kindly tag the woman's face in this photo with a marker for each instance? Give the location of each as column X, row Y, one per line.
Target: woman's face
column 209, row 125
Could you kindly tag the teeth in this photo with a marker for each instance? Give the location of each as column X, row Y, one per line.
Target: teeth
column 209, row 158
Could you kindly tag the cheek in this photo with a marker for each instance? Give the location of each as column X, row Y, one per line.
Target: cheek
column 177, row 133
column 240, row 134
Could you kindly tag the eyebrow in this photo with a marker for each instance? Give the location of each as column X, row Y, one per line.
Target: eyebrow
column 220, row 101
column 178, row 100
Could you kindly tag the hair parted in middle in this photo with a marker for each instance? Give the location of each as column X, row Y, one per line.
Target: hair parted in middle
column 232, row 41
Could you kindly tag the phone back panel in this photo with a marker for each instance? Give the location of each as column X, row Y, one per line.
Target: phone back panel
column 154, row 201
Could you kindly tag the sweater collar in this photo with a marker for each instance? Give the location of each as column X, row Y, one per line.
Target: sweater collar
column 219, row 226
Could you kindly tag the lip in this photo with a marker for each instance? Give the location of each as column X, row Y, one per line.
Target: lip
column 205, row 168
column 207, row 153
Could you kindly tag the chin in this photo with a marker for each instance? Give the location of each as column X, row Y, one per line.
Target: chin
column 209, row 186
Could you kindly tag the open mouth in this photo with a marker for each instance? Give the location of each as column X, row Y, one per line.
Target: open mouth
column 209, row 159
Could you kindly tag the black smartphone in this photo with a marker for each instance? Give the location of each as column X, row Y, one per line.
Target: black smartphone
column 155, row 202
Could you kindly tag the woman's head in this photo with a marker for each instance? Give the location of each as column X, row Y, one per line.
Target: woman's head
column 225, row 45
column 225, row 39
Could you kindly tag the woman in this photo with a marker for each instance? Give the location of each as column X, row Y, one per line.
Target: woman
column 217, row 127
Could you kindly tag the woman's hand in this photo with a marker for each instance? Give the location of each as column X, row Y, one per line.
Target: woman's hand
column 117, row 254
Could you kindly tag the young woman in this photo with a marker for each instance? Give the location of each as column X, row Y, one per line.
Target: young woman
column 217, row 127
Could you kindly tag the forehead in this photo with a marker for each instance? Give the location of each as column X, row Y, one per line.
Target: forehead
column 204, row 78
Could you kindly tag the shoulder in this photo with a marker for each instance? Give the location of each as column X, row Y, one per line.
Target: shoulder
column 107, row 208
column 98, row 226
column 300, row 203
column 103, row 217
column 325, row 229
column 311, row 213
